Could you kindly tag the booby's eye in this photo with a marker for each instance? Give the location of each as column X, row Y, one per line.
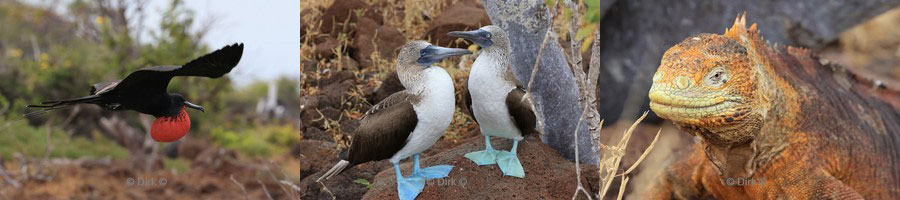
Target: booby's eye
column 716, row 77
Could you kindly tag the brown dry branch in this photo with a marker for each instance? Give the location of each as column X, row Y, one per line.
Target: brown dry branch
column 8, row 178
column 587, row 83
column 241, row 186
column 294, row 187
column 613, row 158
column 266, row 190
column 291, row 193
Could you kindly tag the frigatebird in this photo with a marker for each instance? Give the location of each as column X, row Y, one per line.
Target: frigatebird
column 144, row 91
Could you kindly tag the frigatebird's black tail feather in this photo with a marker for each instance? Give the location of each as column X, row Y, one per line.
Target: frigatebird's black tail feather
column 45, row 110
column 59, row 104
column 47, row 104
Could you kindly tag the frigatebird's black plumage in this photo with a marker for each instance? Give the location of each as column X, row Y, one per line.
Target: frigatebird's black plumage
column 144, row 90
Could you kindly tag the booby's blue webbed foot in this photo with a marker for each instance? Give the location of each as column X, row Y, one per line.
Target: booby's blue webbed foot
column 509, row 162
column 437, row 171
column 410, row 187
column 486, row 157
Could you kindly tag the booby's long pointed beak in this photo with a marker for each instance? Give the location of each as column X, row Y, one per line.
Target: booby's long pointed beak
column 194, row 106
column 433, row 54
column 480, row 37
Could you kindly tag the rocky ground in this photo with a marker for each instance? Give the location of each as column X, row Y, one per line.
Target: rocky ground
column 208, row 175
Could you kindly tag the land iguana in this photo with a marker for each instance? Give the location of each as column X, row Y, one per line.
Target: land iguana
column 774, row 122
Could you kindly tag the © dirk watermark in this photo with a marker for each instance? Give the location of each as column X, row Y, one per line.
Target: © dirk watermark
column 140, row 181
column 447, row 182
column 745, row 181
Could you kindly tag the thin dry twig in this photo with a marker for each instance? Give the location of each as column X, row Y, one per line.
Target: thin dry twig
column 290, row 193
column 8, row 178
column 291, row 185
column 325, row 188
column 613, row 159
column 239, row 186
column 622, row 187
column 578, row 161
column 644, row 155
column 266, row 190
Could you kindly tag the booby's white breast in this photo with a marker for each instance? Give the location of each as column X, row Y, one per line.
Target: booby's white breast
column 489, row 90
column 434, row 112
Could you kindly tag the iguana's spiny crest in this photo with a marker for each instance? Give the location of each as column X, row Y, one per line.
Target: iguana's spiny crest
column 710, row 84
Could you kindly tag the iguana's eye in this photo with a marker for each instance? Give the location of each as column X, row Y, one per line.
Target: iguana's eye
column 716, row 77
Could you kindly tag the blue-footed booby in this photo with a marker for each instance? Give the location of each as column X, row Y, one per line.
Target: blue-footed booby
column 407, row 122
column 497, row 99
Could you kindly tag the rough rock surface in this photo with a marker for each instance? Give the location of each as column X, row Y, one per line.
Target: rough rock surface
column 370, row 38
column 555, row 92
column 458, row 17
column 547, row 175
column 335, row 15
column 388, row 86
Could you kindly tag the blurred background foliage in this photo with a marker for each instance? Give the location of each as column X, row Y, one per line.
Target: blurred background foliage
column 51, row 53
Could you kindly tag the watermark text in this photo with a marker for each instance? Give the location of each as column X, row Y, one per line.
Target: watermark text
column 145, row 181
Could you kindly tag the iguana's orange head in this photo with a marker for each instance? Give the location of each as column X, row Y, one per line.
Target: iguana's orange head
column 707, row 85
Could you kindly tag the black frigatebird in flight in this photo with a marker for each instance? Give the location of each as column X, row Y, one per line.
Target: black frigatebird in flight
column 144, row 91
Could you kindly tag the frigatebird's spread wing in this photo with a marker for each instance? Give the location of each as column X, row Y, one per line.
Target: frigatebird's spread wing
column 156, row 79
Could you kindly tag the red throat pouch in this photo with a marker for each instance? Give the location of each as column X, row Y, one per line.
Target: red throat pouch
column 170, row 129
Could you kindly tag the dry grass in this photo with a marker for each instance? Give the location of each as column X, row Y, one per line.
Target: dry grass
column 612, row 155
column 409, row 16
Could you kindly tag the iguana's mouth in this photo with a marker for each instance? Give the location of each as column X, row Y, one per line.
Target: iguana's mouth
column 696, row 108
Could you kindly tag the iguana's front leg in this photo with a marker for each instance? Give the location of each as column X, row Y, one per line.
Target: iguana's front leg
column 683, row 179
column 693, row 177
column 793, row 182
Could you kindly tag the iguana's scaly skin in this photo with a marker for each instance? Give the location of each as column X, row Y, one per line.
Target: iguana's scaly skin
column 777, row 118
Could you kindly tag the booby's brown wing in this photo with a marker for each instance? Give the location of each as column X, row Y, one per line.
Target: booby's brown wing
column 383, row 130
column 156, row 79
column 520, row 110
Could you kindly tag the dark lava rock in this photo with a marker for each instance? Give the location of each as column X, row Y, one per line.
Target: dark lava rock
column 315, row 133
column 389, row 86
column 547, row 175
column 334, row 16
column 385, row 40
column 326, row 49
column 335, row 94
column 459, row 17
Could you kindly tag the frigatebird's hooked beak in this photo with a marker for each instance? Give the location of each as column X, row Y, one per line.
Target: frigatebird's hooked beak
column 433, row 54
column 194, row 106
column 480, row 37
